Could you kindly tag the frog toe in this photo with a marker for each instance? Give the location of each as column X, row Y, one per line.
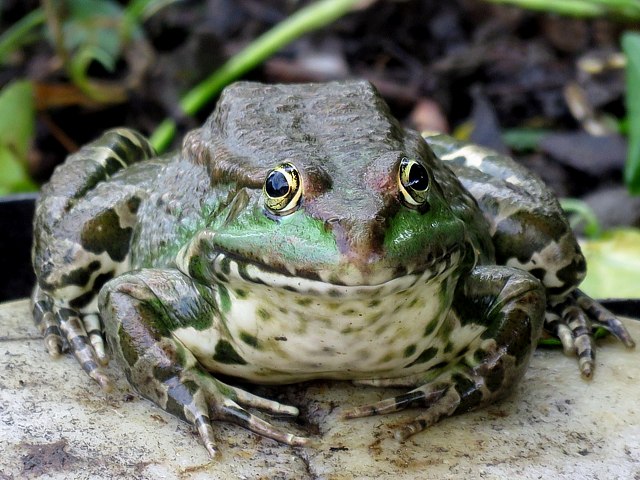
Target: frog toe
column 74, row 332
column 269, row 406
column 231, row 412
column 438, row 400
column 228, row 407
column 205, row 399
column 425, row 397
column 66, row 329
column 574, row 322
column 47, row 323
column 602, row 317
column 444, row 407
column 92, row 326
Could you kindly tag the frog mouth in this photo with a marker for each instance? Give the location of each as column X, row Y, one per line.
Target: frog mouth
column 231, row 269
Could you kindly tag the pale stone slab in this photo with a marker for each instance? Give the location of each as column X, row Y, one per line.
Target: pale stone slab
column 55, row 423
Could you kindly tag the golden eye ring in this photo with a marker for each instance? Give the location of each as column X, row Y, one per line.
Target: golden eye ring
column 413, row 181
column 282, row 189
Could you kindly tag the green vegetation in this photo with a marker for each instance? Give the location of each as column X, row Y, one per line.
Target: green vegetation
column 98, row 31
column 16, row 132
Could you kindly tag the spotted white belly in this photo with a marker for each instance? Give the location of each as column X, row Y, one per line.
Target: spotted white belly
column 380, row 331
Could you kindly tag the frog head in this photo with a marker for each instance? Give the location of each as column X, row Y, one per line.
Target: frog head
column 328, row 188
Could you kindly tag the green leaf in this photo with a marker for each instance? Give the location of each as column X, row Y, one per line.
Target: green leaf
column 613, row 263
column 17, row 124
column 93, row 32
column 93, row 23
column 631, row 47
column 523, row 139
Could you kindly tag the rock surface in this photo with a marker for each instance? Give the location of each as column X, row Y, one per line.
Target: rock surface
column 55, row 423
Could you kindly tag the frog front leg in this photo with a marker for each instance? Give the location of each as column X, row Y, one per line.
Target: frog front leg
column 141, row 310
column 505, row 306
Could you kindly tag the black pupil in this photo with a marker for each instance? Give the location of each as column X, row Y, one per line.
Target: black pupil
column 418, row 178
column 277, row 185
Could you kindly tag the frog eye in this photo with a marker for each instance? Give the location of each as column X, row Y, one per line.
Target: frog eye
column 282, row 189
column 413, row 180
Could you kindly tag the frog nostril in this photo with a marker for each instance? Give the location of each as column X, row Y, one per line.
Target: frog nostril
column 329, row 222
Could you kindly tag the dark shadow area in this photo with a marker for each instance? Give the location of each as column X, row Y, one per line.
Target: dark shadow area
column 16, row 214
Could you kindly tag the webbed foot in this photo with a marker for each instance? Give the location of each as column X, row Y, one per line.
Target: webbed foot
column 200, row 399
column 575, row 320
column 65, row 329
column 440, row 399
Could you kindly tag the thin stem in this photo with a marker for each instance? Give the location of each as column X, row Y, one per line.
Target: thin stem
column 312, row 17
column 14, row 36
column 628, row 10
column 583, row 214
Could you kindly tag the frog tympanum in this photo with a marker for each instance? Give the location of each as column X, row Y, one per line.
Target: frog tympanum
column 302, row 233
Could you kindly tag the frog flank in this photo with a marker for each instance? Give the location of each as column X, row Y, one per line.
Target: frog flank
column 302, row 233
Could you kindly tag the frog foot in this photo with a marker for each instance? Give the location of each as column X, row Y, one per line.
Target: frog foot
column 574, row 321
column 440, row 399
column 66, row 329
column 203, row 399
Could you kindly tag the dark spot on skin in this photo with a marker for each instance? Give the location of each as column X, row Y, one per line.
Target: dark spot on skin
column 304, row 302
column 380, row 330
column 82, row 301
column 431, row 327
column 121, row 152
column 557, row 291
column 179, row 395
column 102, row 279
column 240, row 293
column 387, row 358
column 439, row 366
column 521, row 234
column 448, row 347
column 494, row 378
column 425, row 356
column 80, row 276
column 225, row 353
column 539, row 273
column 249, row 339
column 446, row 329
column 400, row 271
column 573, row 273
column 373, row 303
column 470, row 395
column 225, row 299
column 103, row 234
column 225, row 266
column 280, row 339
column 409, row 351
column 263, row 314
column 112, row 165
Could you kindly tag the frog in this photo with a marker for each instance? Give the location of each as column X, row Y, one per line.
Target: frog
column 300, row 234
